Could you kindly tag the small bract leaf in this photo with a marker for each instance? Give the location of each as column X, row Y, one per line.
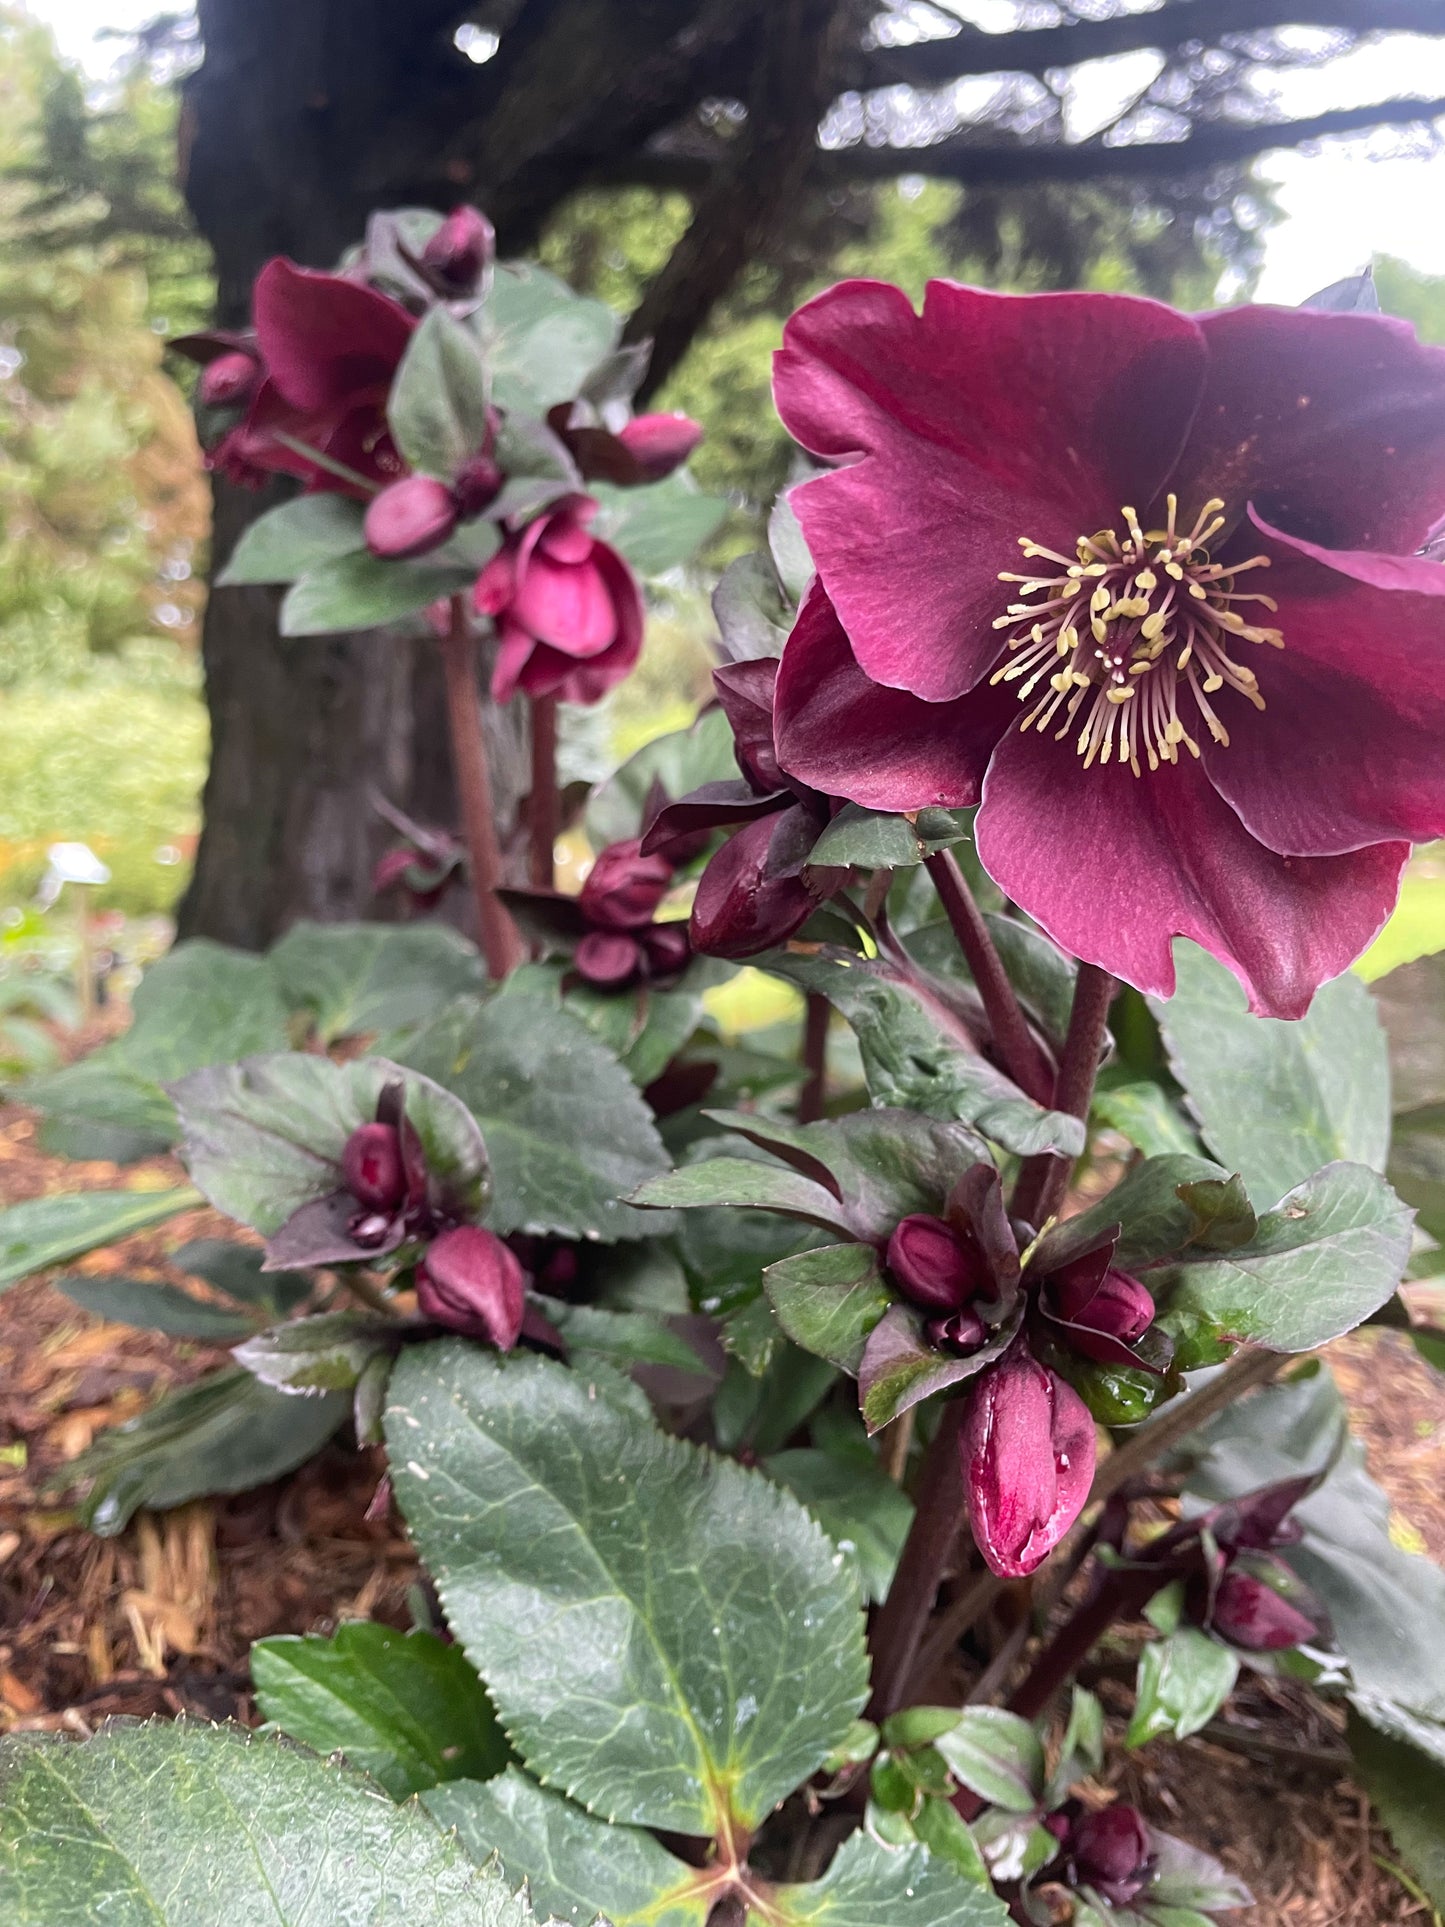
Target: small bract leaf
column 997, row 1755
column 325, row 1353
column 1183, row 1681
column 438, row 405
column 362, row 591
column 289, row 541
column 828, row 1301
column 870, row 1885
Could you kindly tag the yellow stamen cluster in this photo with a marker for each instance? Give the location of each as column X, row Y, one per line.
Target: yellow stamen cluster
column 1121, row 631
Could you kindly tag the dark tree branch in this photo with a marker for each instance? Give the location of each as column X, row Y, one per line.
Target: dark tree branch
column 933, row 63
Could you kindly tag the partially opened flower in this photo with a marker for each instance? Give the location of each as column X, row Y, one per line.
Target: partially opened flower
column 567, row 608
column 1144, row 584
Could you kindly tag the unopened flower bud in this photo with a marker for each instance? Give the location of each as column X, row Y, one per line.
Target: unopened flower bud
column 659, row 443
column 409, row 518
column 624, row 888
column 668, row 948
column 1028, row 1460
column 477, row 485
column 1251, row 1614
column 472, row 1283
column 456, row 256
column 1118, row 1305
column 934, row 1266
column 607, row 958
column 229, row 381
column 372, row 1167
column 1111, row 1852
column 962, row 1332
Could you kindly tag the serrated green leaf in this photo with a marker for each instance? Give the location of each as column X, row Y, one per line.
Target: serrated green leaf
column 182, row 1825
column 575, row 1865
column 265, row 1136
column 867, row 840
column 667, row 1637
column 1154, row 1215
column 437, row 410
column 404, row 1707
column 900, row 1367
column 1183, row 1681
column 859, row 1507
column 237, row 1270
column 327, row 1352
column 870, row 1885
column 360, row 978
column 291, row 540
column 627, row 1338
column 1276, row 1100
column 997, row 1755
column 659, row 526
column 225, row 1433
column 567, row 1131
column 747, row 1183
column 151, row 1306
column 363, row 591
column 1409, row 1794
column 1331, row 1253
column 918, row 1056
column 50, row 1231
column 829, row 1300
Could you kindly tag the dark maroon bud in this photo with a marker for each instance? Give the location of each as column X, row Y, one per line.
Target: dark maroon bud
column 409, row 518
column 623, row 887
column 607, row 958
column 229, row 381
column 372, row 1167
column 471, row 1282
column 659, row 443
column 934, row 1266
column 1116, row 1305
column 477, row 485
column 456, row 256
column 961, row 1332
column 1111, row 1851
column 1251, row 1614
column 1058, row 1824
column 752, row 893
column 370, row 1229
column 668, row 948
column 560, row 1270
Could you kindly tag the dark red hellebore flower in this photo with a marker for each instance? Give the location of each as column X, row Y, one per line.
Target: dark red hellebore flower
column 1111, row 1851
column 567, row 608
column 1144, row 586
column 471, row 1282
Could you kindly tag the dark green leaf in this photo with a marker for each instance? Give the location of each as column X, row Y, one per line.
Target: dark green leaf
column 291, row 540
column 568, row 1132
column 1277, row 1100
column 870, row 1885
column 997, row 1755
column 363, row 591
column 155, row 1307
column 404, row 1707
column 626, row 1338
column 859, row 1507
column 1145, row 1114
column 1184, row 1877
column 1330, row 1254
column 361, row 978
column 264, row 1137
column 225, row 1433
column 829, row 1300
column 944, row 1832
column 752, row 616
column 185, row 1825
column 237, row 1270
column 438, row 405
column 868, row 840
column 1038, row 970
column 1409, row 1795
column 744, row 1181
column 327, row 1352
column 1149, row 1204
column 667, row 1637
column 51, row 1231
column 575, row 1865
column 918, row 1055
column 789, row 548
column 656, row 527
column 1417, row 1164
column 1183, row 1681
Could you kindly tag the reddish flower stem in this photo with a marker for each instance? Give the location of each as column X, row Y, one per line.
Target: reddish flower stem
column 899, row 1626
column 1015, row 1043
column 1045, row 1179
column 501, row 945
column 815, row 1059
column 544, row 804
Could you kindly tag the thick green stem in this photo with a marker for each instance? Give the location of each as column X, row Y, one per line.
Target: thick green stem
column 1017, row 1047
column 1044, row 1180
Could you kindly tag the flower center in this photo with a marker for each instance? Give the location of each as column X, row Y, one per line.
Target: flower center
column 1124, row 631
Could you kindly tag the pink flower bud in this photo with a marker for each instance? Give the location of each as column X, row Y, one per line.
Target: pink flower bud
column 477, row 485
column 1118, row 1304
column 372, row 1168
column 1028, row 1461
column 456, row 256
column 623, row 887
column 607, row 958
column 410, row 517
column 659, row 443
column 472, row 1283
column 668, row 948
column 1111, row 1851
column 934, row 1266
column 1251, row 1614
column 229, row 381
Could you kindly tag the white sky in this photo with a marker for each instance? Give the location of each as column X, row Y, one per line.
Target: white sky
column 1341, row 205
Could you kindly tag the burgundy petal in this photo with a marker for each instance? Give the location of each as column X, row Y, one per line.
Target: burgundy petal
column 608, row 958
column 745, row 693
column 1350, row 747
column 713, row 806
column 566, row 604
column 1115, row 866
column 1332, row 424
column 1028, row 1460
column 987, row 418
column 324, row 337
column 742, row 905
column 1248, row 1612
column 844, row 735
